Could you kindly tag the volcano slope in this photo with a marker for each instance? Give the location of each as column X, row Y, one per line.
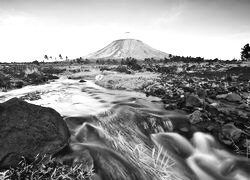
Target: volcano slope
column 126, row 48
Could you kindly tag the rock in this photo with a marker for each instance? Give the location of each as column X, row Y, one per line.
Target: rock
column 28, row 130
column 246, row 143
column 231, row 132
column 82, row 81
column 221, row 96
column 51, row 77
column 233, row 97
column 99, row 77
column 243, row 106
column 193, row 101
column 195, row 117
column 36, row 78
column 202, row 93
column 172, row 106
column 33, row 96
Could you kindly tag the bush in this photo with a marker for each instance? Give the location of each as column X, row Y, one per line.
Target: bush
column 123, row 69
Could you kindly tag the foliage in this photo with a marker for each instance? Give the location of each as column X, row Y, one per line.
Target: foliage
column 245, row 53
column 123, row 69
column 46, row 57
column 132, row 64
column 36, row 63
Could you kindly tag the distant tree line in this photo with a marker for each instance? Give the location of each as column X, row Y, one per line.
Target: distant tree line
column 46, row 57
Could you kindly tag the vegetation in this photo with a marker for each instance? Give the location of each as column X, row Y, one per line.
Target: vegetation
column 136, row 82
column 46, row 168
column 46, row 57
column 245, row 53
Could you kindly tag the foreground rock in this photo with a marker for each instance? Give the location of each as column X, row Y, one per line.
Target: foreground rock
column 28, row 130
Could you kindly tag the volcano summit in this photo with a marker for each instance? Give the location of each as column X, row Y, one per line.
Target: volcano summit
column 124, row 48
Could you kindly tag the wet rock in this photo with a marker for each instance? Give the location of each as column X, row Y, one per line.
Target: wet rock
column 31, row 96
column 231, row 132
column 195, row 117
column 28, row 130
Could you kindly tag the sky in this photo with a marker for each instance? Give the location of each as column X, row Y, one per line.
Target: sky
column 29, row 29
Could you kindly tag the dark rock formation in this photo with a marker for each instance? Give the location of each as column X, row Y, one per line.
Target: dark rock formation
column 82, row 81
column 28, row 130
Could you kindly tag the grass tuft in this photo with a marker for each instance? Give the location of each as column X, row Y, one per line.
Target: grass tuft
column 154, row 162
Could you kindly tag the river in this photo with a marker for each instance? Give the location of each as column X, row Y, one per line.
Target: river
column 126, row 135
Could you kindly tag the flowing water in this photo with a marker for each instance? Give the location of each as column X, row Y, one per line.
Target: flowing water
column 126, row 135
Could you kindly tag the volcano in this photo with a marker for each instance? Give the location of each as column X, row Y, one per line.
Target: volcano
column 125, row 48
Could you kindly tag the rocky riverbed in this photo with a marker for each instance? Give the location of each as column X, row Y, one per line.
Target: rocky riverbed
column 120, row 130
column 217, row 102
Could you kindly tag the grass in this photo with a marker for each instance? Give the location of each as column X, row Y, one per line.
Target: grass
column 87, row 74
column 45, row 168
column 239, row 151
column 155, row 162
column 121, row 81
column 152, row 161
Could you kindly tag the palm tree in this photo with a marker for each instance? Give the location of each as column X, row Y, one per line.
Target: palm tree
column 46, row 57
column 60, row 56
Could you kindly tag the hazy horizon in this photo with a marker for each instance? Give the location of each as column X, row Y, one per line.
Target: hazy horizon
column 206, row 28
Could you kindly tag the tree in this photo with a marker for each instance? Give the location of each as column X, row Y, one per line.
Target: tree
column 66, row 58
column 36, row 63
column 123, row 62
column 60, row 56
column 245, row 53
column 46, row 57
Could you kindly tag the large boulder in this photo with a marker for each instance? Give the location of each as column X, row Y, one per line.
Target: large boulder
column 28, row 130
